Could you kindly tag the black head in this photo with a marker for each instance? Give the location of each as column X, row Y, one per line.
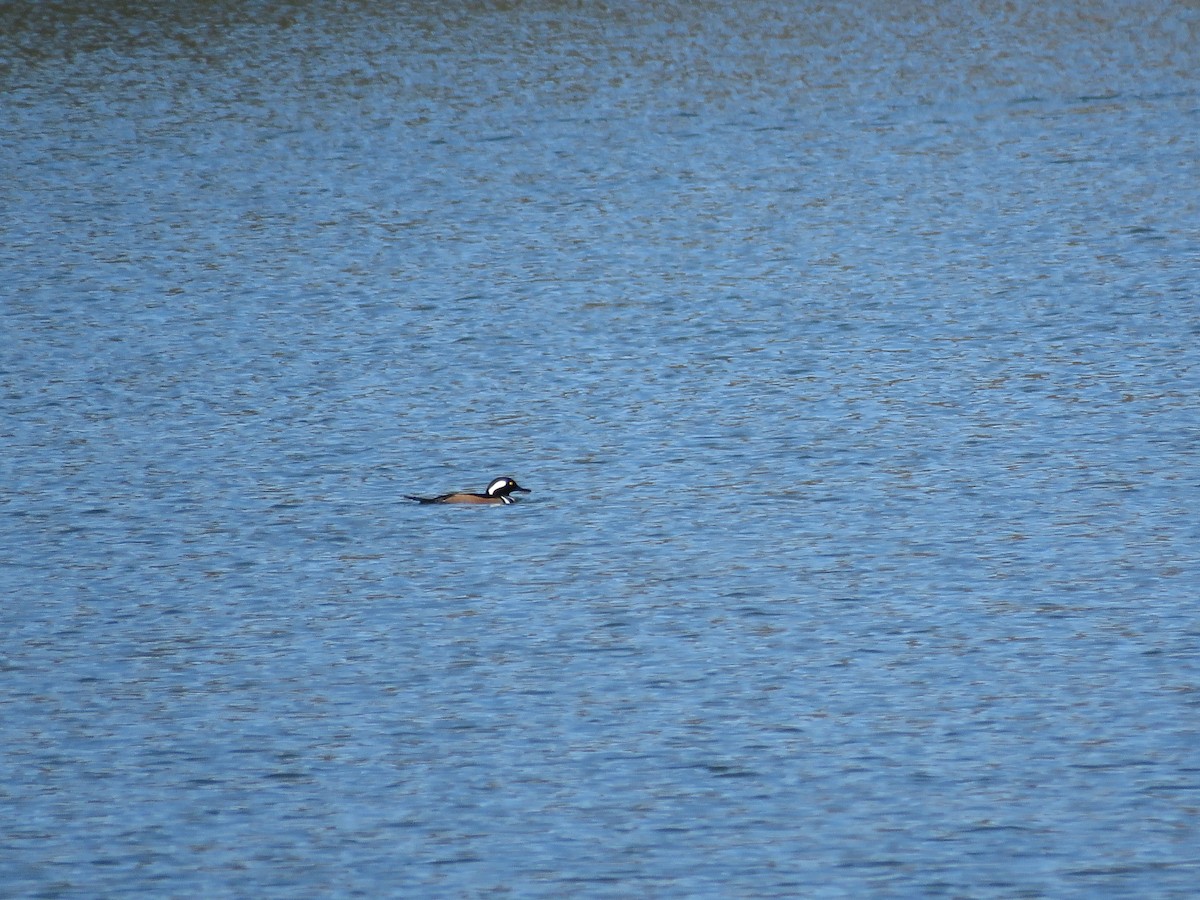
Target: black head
column 502, row 487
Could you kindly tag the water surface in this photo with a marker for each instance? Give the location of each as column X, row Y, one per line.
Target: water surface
column 850, row 353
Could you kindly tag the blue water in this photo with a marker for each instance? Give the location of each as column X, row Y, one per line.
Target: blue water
column 850, row 353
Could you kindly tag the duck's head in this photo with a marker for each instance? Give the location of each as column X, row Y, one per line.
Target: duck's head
column 502, row 487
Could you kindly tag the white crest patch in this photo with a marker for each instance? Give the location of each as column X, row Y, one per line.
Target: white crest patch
column 496, row 485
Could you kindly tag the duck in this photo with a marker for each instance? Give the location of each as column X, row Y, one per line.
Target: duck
column 499, row 491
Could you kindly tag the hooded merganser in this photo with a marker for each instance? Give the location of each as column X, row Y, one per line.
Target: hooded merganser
column 497, row 492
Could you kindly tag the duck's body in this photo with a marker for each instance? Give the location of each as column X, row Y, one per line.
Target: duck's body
column 499, row 491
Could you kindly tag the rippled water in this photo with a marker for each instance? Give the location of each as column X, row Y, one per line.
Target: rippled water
column 850, row 353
